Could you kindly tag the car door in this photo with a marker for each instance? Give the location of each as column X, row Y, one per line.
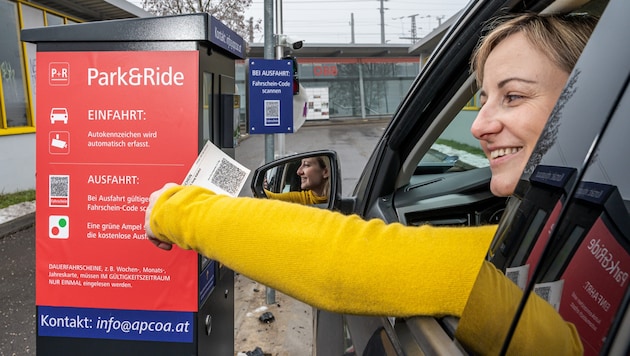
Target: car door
column 580, row 263
column 412, row 178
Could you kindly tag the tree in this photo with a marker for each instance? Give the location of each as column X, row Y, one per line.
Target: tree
column 230, row 12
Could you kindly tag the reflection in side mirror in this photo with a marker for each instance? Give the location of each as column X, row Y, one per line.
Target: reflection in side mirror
column 311, row 178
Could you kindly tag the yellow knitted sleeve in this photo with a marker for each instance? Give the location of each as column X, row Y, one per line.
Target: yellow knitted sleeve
column 304, row 197
column 332, row 261
column 490, row 310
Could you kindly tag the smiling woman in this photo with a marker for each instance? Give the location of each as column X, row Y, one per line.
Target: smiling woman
column 521, row 80
column 304, row 181
column 516, row 100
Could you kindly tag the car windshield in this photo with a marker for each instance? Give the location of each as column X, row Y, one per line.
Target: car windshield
column 455, row 150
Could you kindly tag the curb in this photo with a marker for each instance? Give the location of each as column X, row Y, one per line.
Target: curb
column 18, row 224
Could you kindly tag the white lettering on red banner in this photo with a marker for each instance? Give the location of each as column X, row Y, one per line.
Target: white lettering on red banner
column 135, row 77
column 607, row 261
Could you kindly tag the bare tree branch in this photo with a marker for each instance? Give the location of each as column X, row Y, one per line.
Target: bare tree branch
column 230, row 12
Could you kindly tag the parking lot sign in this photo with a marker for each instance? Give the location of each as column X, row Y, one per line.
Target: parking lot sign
column 270, row 96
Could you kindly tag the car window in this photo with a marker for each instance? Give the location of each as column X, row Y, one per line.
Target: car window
column 455, row 149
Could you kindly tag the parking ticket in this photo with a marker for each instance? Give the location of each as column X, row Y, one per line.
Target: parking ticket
column 215, row 170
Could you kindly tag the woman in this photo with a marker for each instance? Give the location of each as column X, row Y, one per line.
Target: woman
column 322, row 257
column 314, row 183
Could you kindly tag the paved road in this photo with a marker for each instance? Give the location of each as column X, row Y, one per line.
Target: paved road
column 17, row 296
column 353, row 142
column 291, row 333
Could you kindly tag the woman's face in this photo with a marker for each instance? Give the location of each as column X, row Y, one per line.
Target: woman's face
column 312, row 175
column 519, row 90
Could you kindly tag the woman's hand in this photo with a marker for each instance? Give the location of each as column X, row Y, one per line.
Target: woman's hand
column 147, row 218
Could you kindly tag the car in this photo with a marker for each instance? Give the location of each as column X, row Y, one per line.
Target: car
column 58, row 114
column 565, row 232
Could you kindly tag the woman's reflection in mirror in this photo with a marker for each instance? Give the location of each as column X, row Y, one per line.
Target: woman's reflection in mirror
column 314, row 180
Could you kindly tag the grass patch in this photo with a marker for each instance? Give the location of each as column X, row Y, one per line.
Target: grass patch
column 16, row 198
column 462, row 147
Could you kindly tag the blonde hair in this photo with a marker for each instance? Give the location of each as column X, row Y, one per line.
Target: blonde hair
column 560, row 37
column 324, row 163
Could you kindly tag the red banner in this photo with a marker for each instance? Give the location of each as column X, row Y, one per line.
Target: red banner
column 594, row 284
column 112, row 127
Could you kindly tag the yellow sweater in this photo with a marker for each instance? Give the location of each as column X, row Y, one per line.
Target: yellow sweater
column 304, row 197
column 348, row 265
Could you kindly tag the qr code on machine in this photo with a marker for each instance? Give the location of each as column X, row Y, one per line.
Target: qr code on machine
column 544, row 292
column 551, row 292
column 518, row 275
column 228, row 176
column 59, row 190
column 272, row 112
column 513, row 276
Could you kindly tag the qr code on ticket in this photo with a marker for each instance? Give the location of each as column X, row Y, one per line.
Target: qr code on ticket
column 217, row 171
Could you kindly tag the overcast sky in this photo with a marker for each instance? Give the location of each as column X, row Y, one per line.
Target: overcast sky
column 328, row 21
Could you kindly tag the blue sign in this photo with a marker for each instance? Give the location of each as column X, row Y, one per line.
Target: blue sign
column 227, row 39
column 141, row 325
column 270, row 96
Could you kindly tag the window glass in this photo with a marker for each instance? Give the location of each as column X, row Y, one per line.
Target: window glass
column 31, row 18
column 208, row 82
column 456, row 146
column 348, row 70
column 53, row 20
column 354, row 89
column 407, row 69
column 305, row 71
column 11, row 69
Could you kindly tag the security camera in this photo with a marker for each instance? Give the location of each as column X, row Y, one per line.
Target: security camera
column 286, row 41
column 297, row 44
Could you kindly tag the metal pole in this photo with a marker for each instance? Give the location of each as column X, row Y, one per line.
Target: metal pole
column 361, row 89
column 382, row 22
column 279, row 54
column 352, row 27
column 269, row 39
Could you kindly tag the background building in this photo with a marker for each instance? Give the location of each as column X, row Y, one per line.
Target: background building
column 348, row 81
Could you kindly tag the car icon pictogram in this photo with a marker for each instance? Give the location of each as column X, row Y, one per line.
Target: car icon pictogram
column 58, row 114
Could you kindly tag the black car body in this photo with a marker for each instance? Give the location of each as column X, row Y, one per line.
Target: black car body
column 564, row 234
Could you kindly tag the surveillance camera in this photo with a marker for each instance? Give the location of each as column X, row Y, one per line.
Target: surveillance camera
column 297, row 44
column 287, row 41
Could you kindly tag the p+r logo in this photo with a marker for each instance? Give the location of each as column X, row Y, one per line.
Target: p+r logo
column 59, row 73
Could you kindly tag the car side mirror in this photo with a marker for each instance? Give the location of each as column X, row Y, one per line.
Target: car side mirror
column 311, row 178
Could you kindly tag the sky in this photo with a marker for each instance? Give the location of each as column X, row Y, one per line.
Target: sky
column 328, row 21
